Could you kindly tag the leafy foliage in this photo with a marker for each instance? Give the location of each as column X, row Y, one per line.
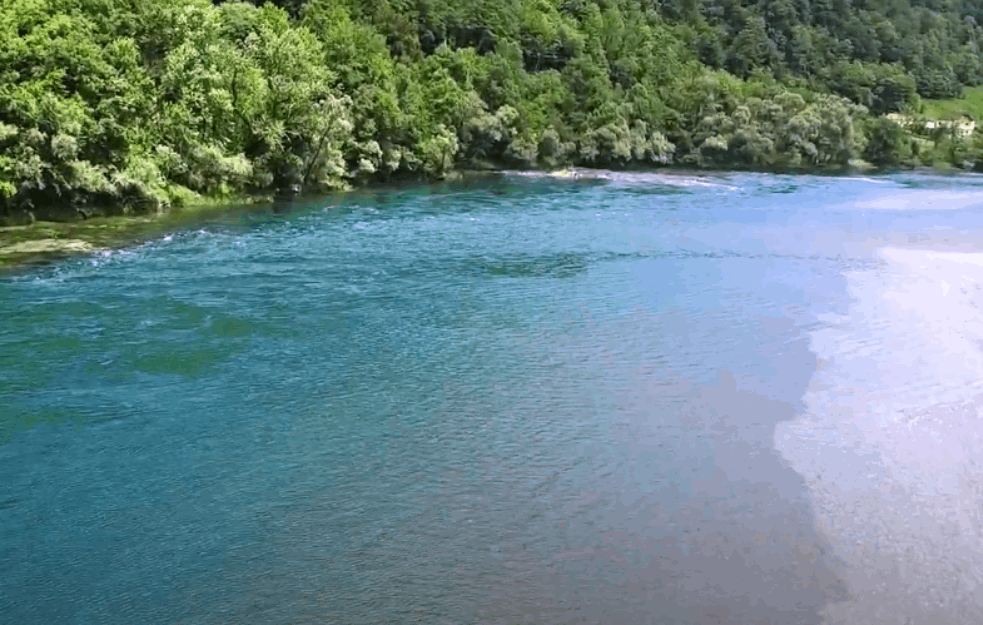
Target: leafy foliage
column 124, row 105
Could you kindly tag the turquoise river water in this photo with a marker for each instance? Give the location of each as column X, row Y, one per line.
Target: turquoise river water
column 645, row 398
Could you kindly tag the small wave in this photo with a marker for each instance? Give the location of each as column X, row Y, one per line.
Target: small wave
column 661, row 178
column 922, row 257
column 923, row 200
column 865, row 179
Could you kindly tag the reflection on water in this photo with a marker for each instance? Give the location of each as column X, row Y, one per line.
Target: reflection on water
column 890, row 443
column 637, row 399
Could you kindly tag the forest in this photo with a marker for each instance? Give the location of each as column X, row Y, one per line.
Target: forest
column 120, row 106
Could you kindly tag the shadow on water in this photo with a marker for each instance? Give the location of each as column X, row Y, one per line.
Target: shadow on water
column 664, row 501
column 564, row 265
column 692, row 516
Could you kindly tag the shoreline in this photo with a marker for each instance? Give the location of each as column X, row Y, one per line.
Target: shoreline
column 24, row 246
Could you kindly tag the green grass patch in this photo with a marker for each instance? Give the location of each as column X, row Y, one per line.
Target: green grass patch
column 969, row 105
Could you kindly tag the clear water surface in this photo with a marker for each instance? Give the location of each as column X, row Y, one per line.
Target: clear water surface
column 642, row 399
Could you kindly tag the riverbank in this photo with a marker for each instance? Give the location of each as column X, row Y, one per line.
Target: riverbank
column 45, row 241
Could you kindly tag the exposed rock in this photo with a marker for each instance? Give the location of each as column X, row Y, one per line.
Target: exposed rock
column 47, row 245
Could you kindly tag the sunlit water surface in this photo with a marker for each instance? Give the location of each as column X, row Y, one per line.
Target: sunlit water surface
column 646, row 399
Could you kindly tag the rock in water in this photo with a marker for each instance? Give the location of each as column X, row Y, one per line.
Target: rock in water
column 284, row 198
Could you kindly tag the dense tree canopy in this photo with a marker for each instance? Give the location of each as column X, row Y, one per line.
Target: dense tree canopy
column 138, row 105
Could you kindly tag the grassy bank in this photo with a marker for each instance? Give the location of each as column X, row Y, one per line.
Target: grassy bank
column 42, row 241
column 50, row 240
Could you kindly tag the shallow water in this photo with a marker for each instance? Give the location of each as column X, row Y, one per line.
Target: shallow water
column 643, row 399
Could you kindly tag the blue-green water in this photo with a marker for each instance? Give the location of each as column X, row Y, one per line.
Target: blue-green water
column 519, row 401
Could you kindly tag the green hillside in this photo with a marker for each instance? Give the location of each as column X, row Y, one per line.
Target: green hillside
column 124, row 106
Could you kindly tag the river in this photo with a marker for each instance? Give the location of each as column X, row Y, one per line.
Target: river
column 647, row 398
